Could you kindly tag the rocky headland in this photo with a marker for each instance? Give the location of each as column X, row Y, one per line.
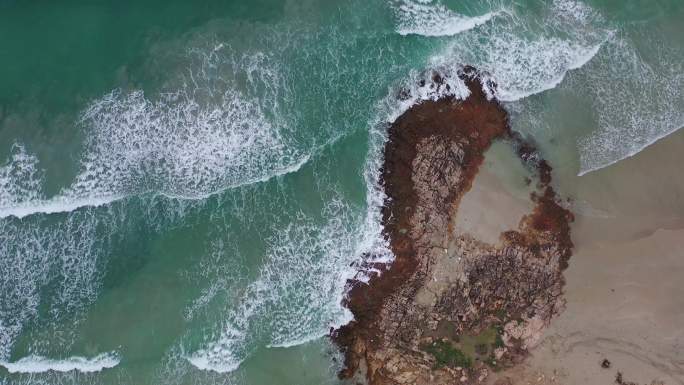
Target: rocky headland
column 453, row 307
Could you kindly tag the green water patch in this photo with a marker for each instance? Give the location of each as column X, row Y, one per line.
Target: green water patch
column 464, row 350
column 93, row 46
column 446, row 354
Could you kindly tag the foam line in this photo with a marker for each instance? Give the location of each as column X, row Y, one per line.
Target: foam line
column 651, row 142
column 62, row 204
column 58, row 204
column 205, row 363
column 278, row 171
column 426, row 19
column 39, row 364
column 579, row 62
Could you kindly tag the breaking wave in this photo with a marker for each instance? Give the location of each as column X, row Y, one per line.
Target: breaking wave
column 418, row 86
column 421, row 17
column 60, row 204
column 297, row 294
column 526, row 58
column 63, row 256
column 20, row 177
column 38, row 364
column 191, row 143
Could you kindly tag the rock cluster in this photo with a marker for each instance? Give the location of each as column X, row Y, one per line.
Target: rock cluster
column 411, row 328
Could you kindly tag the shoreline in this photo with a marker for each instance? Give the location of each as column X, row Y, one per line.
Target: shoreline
column 623, row 287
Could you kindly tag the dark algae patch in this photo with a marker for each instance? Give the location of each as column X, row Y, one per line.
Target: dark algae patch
column 446, row 354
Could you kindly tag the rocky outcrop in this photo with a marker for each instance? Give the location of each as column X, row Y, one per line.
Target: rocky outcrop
column 409, row 326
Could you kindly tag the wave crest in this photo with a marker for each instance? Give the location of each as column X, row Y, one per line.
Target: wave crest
column 426, row 19
column 39, row 364
column 298, row 293
column 210, row 135
column 528, row 57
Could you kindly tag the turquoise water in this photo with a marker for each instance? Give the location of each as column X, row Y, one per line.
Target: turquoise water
column 184, row 189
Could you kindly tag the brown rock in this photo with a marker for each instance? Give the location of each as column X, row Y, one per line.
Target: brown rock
column 432, row 156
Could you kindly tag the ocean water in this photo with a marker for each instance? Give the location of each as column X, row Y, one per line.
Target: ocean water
column 185, row 189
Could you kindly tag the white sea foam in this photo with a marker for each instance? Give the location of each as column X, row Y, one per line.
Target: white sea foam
column 58, row 204
column 21, row 185
column 298, row 293
column 38, row 364
column 524, row 59
column 636, row 93
column 418, row 86
column 523, row 56
column 637, row 102
column 513, row 85
column 34, row 255
column 66, row 203
column 207, row 136
column 178, row 147
column 20, row 177
column 429, row 18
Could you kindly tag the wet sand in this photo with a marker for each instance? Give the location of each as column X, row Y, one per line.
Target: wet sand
column 625, row 283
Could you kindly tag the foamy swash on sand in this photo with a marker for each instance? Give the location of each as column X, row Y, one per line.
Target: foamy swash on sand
column 38, row 364
column 617, row 82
